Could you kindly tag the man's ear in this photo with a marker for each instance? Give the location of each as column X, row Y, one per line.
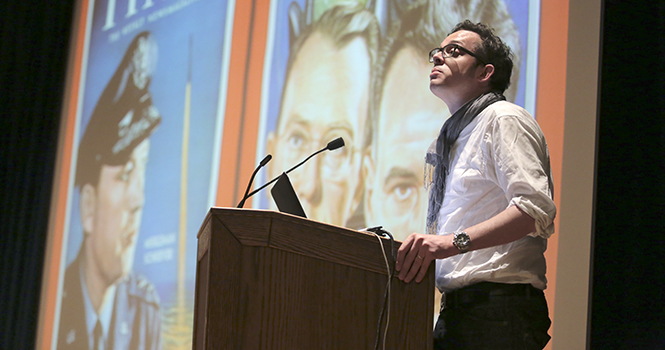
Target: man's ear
column 88, row 204
column 368, row 177
column 271, row 143
column 486, row 73
column 360, row 186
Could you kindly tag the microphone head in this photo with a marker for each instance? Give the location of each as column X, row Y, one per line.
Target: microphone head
column 335, row 144
column 265, row 160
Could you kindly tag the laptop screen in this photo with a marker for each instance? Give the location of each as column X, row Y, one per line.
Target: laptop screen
column 286, row 198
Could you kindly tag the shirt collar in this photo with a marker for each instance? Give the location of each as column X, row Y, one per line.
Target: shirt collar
column 91, row 315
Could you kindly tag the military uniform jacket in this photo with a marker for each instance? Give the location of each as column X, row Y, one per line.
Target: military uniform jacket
column 136, row 321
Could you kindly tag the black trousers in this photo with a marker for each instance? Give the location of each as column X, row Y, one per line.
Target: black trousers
column 493, row 316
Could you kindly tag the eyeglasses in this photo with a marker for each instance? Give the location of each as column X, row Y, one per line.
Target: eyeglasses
column 452, row 50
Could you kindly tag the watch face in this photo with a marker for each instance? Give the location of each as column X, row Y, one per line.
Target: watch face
column 461, row 240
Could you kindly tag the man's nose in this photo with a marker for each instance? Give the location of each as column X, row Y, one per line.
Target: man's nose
column 307, row 182
column 136, row 189
column 438, row 58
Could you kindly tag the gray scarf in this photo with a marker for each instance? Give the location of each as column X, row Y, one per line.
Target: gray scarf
column 438, row 159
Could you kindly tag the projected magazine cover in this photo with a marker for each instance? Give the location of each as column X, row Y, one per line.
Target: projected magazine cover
column 360, row 70
column 149, row 118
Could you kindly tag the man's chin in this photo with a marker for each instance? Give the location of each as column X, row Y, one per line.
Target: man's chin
column 119, row 276
column 435, row 84
column 327, row 218
column 317, row 215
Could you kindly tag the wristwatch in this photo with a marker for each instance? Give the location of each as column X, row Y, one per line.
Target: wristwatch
column 461, row 241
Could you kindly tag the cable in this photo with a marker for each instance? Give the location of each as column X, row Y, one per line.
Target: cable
column 379, row 232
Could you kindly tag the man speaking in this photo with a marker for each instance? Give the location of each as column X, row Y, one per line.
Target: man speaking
column 490, row 207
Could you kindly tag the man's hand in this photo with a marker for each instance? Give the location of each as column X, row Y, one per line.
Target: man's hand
column 418, row 251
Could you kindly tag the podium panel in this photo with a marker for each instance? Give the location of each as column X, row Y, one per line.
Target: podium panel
column 269, row 280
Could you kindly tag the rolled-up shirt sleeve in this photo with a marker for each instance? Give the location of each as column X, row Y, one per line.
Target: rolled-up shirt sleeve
column 517, row 151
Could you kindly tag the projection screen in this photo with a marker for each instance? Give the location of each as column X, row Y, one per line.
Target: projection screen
column 171, row 104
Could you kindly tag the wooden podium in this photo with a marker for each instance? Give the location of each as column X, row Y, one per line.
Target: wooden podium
column 269, row 280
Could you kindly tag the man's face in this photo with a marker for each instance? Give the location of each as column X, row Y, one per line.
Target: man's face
column 115, row 216
column 409, row 120
column 325, row 97
column 456, row 76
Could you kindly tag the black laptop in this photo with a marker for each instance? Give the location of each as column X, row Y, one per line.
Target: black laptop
column 286, row 198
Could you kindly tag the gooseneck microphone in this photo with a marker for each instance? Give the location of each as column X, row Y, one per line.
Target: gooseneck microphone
column 331, row 146
column 251, row 179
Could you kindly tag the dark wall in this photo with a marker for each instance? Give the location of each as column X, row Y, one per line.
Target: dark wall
column 628, row 276
column 34, row 37
column 628, row 305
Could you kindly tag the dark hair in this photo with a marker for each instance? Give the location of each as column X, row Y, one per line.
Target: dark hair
column 494, row 51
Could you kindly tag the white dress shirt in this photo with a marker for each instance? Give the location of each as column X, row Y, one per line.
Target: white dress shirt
column 500, row 159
